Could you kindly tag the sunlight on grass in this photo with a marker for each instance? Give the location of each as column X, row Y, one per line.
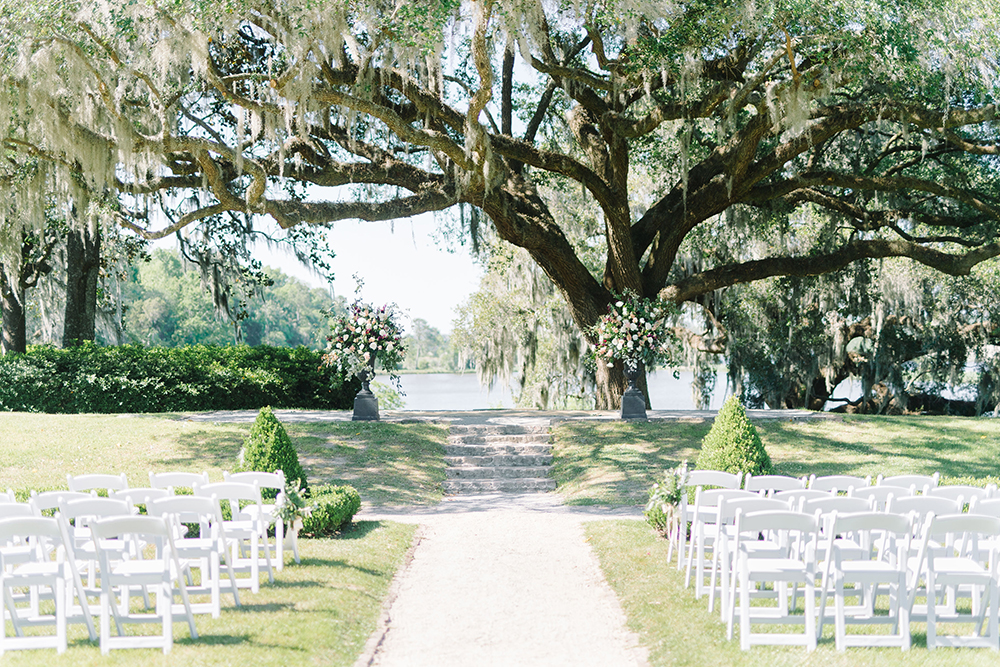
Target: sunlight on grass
column 389, row 464
column 617, row 462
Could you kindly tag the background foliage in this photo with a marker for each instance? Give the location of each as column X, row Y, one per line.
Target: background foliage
column 131, row 378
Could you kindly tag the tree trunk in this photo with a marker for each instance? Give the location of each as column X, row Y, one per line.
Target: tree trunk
column 15, row 337
column 611, row 384
column 83, row 263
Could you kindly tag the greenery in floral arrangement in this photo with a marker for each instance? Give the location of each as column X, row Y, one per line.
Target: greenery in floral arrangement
column 664, row 497
column 268, row 448
column 293, row 507
column 366, row 338
column 732, row 444
column 634, row 329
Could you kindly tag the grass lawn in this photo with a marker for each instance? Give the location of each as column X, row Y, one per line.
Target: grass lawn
column 389, row 464
column 678, row 630
column 615, row 463
column 320, row 612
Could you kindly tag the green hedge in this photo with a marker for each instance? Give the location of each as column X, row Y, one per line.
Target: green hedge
column 332, row 508
column 132, row 378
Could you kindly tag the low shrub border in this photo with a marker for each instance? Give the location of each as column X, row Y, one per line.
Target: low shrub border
column 332, row 508
column 135, row 379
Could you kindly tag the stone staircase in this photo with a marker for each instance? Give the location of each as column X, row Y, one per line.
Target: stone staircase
column 498, row 458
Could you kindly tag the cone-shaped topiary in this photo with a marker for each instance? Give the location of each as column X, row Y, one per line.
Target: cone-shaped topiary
column 732, row 444
column 268, row 449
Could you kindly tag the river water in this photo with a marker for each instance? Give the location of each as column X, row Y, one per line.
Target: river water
column 454, row 391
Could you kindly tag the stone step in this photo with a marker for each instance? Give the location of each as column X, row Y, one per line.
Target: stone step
column 467, row 486
column 511, row 460
column 497, row 450
column 496, row 429
column 489, row 439
column 492, row 472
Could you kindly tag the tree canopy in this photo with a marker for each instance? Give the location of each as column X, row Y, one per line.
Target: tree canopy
column 786, row 137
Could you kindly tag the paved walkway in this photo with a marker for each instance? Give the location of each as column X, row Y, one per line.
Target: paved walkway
column 500, row 580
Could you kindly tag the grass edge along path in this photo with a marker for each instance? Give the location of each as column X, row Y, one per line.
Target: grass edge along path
column 679, row 631
column 319, row 612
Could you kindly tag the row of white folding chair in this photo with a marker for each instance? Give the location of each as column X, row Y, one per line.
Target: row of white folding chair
column 953, row 550
column 706, row 535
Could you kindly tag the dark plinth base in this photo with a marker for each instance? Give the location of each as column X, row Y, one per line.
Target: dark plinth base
column 365, row 406
column 633, row 405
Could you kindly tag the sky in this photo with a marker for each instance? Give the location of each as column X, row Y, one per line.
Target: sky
column 400, row 262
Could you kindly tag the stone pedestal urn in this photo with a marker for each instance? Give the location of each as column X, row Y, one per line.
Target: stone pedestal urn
column 633, row 400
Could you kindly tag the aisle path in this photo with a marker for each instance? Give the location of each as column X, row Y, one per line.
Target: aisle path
column 503, row 580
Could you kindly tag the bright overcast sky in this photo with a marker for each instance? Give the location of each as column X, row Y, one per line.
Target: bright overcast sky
column 399, row 262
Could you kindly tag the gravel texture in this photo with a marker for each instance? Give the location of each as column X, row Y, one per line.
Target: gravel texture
column 502, row 580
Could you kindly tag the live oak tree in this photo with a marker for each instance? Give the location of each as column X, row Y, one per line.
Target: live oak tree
column 878, row 119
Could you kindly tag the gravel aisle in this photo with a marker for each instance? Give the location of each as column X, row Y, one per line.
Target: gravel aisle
column 504, row 587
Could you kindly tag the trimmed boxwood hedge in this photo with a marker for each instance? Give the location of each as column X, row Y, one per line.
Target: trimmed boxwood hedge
column 133, row 378
column 332, row 508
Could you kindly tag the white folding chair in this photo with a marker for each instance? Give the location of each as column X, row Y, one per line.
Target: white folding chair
column 722, row 561
column 838, row 483
column 82, row 512
column 272, row 484
column 246, row 529
column 965, row 557
column 208, row 550
column 162, row 571
column 773, row 483
column 97, row 482
column 705, row 532
column 46, row 536
column 697, row 479
column 796, row 535
column 177, row 479
column 920, row 483
column 882, row 561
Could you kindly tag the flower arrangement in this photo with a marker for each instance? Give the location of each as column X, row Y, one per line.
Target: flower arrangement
column 664, row 497
column 633, row 330
column 365, row 338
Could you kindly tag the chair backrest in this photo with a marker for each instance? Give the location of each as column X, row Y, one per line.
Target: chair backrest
column 188, row 509
column 923, row 505
column 960, row 534
column 29, row 529
column 963, row 493
column 53, row 500
column 265, row 480
column 237, row 494
column 131, row 529
column 773, row 483
column 730, row 507
column 989, row 507
column 838, row 482
column 840, row 504
column 796, row 497
column 880, row 535
column 97, row 481
column 141, row 495
column 8, row 510
column 879, row 495
column 7, row 496
column 723, row 480
column 94, row 507
column 177, row 479
column 919, row 482
column 786, row 525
